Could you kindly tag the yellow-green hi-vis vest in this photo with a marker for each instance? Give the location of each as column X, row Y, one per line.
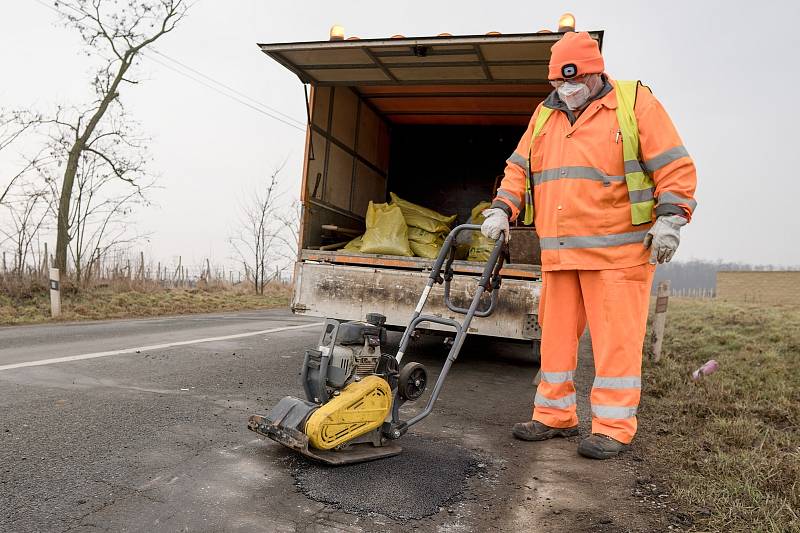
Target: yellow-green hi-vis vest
column 640, row 183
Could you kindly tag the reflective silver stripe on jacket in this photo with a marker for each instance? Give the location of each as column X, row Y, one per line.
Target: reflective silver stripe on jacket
column 665, row 158
column 644, row 195
column 560, row 403
column 633, row 166
column 557, row 377
column 626, row 382
column 613, row 411
column 586, row 173
column 675, row 199
column 510, row 196
column 518, row 160
column 597, row 241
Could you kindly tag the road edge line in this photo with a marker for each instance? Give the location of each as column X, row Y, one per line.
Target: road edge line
column 97, row 355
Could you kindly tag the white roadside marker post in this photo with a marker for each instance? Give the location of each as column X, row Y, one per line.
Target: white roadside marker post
column 660, row 318
column 55, row 292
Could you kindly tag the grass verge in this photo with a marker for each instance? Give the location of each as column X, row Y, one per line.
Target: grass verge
column 729, row 445
column 31, row 303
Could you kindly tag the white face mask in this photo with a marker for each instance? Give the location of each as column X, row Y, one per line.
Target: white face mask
column 575, row 95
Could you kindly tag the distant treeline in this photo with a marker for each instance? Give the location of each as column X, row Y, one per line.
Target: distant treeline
column 698, row 274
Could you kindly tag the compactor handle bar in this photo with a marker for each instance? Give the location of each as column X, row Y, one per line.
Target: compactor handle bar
column 490, row 279
column 489, row 282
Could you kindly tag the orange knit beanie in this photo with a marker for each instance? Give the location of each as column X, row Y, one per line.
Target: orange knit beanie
column 575, row 54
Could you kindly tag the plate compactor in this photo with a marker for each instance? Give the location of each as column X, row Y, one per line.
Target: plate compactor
column 354, row 391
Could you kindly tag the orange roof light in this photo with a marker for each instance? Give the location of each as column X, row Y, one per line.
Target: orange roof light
column 493, row 33
column 566, row 22
column 337, row 33
column 398, row 36
column 354, row 38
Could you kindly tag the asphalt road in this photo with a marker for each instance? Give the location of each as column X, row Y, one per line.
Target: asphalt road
column 140, row 425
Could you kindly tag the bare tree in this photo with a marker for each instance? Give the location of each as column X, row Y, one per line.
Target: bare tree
column 99, row 210
column 13, row 124
column 109, row 183
column 118, row 33
column 27, row 211
column 261, row 236
column 289, row 237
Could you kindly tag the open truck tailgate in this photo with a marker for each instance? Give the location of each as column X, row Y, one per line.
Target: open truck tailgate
column 350, row 292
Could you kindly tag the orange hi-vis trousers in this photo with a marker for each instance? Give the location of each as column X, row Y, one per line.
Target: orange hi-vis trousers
column 615, row 303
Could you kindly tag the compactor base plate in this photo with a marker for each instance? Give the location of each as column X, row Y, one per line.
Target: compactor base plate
column 298, row 441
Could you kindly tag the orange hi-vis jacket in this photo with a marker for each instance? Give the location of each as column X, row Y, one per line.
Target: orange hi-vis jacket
column 582, row 211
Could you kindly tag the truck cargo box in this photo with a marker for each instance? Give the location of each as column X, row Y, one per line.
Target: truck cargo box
column 432, row 119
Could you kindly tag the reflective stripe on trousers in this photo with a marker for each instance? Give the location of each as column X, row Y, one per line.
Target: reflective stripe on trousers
column 613, row 412
column 559, row 403
column 557, row 377
column 628, row 382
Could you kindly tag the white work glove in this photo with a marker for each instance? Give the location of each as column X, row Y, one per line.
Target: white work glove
column 664, row 237
column 496, row 223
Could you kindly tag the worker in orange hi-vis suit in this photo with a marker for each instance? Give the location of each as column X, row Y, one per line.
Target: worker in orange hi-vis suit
column 605, row 214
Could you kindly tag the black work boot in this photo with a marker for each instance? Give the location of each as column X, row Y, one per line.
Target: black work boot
column 599, row 446
column 535, row 430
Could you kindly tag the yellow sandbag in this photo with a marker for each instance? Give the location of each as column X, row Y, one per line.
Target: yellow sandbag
column 415, row 220
column 428, row 251
column 354, row 245
column 480, row 247
column 387, row 232
column 409, row 207
column 424, row 237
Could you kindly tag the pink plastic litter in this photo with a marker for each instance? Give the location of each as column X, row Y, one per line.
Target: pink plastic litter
column 708, row 368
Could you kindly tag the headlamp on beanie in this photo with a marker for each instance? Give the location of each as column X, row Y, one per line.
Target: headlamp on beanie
column 575, row 54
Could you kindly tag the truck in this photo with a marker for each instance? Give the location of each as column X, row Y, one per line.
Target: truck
column 432, row 119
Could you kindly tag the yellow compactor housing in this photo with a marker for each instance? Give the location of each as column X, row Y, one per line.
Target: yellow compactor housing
column 359, row 408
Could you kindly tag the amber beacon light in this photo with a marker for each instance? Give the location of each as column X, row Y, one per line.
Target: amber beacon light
column 337, row 33
column 566, row 22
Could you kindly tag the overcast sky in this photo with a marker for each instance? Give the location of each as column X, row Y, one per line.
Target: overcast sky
column 726, row 72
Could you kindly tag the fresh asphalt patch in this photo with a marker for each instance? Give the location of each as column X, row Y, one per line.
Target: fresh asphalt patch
column 429, row 474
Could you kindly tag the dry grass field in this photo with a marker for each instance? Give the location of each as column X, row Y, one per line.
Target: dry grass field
column 729, row 445
column 28, row 301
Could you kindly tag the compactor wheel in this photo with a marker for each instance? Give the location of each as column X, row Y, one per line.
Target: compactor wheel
column 412, row 381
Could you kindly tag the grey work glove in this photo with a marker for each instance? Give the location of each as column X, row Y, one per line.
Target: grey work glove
column 496, row 223
column 664, row 237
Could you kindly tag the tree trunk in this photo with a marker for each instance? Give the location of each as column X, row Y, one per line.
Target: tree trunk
column 62, row 236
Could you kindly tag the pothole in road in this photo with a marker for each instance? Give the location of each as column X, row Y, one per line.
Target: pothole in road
column 429, row 474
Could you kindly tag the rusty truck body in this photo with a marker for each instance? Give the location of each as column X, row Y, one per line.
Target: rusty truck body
column 432, row 119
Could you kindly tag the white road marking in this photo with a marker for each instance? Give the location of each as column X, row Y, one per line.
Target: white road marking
column 96, row 355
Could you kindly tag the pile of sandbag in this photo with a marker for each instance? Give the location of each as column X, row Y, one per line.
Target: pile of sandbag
column 402, row 228
column 427, row 229
column 387, row 232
